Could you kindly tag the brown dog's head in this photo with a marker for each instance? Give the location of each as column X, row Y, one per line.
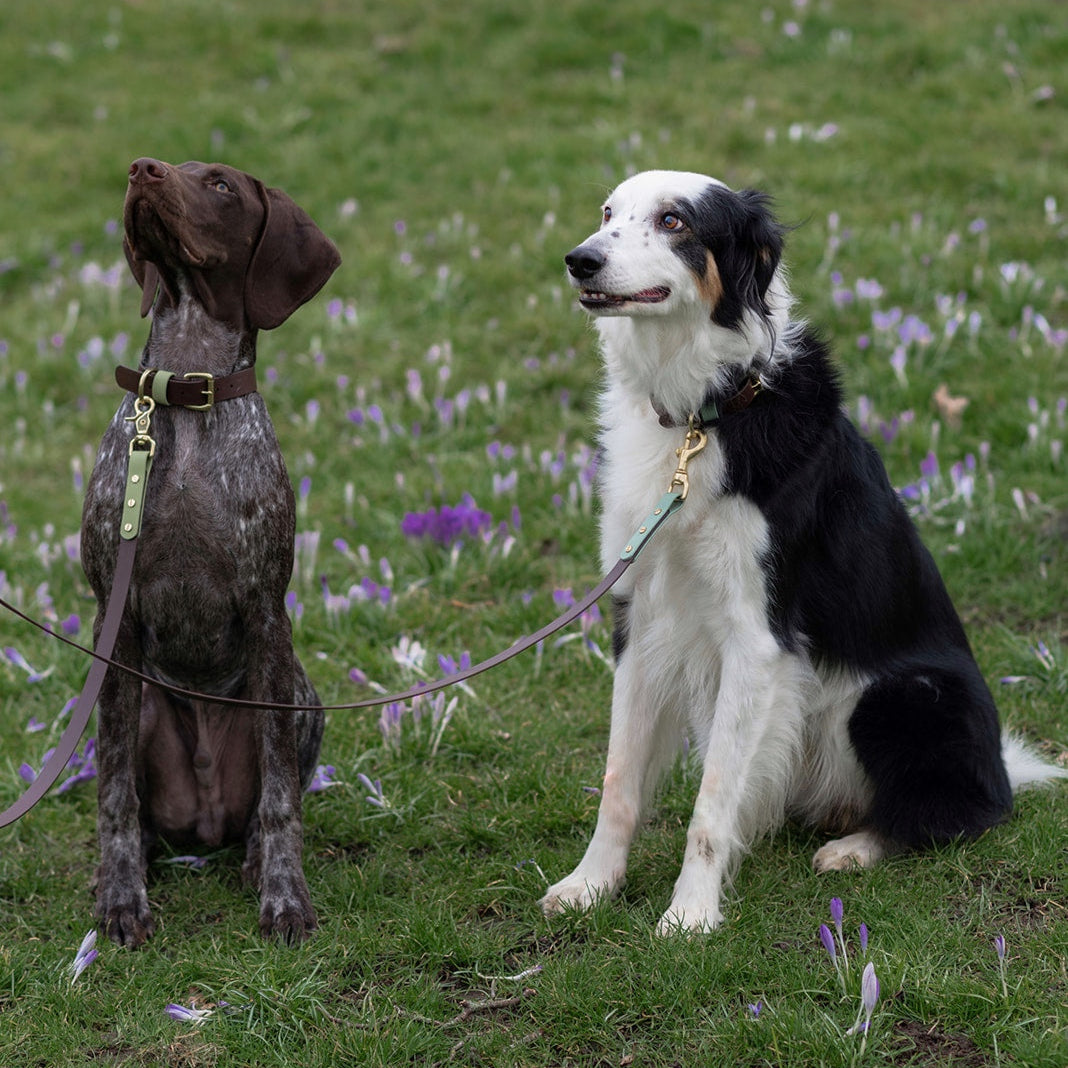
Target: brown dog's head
column 247, row 253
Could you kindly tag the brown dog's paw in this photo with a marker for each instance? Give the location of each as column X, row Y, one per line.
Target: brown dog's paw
column 129, row 924
column 291, row 922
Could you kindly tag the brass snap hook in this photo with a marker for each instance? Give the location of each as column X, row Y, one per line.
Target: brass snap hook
column 696, row 440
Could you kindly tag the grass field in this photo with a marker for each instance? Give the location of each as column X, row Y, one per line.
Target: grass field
column 454, row 154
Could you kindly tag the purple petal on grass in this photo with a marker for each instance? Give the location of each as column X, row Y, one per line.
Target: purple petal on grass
column 19, row 661
column 828, row 941
column 863, row 932
column 755, row 1009
column 34, row 725
column 837, row 911
column 323, row 778
column 869, row 989
column 187, row 1015
column 999, row 946
column 84, row 957
column 188, row 861
column 83, row 774
column 375, row 797
column 27, row 773
column 85, row 765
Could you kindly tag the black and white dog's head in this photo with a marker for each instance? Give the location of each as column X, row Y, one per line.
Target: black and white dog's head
column 685, row 280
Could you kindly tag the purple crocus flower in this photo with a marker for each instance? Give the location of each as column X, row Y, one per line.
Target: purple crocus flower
column 84, row 957
column 837, row 912
column 187, row 1015
column 19, row 661
column 322, row 779
column 451, row 667
column 376, row 796
column 863, row 932
column 828, row 942
column 869, row 989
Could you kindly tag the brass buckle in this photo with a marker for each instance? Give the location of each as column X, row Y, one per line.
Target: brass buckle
column 209, row 390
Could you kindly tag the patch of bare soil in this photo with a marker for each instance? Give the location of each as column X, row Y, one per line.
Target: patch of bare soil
column 921, row 1044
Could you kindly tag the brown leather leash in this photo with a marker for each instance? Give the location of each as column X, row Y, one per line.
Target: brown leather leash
column 79, row 717
column 668, row 504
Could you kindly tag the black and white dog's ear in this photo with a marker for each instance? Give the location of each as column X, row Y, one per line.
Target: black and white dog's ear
column 759, row 244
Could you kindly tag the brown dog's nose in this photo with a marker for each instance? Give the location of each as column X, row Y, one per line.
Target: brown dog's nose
column 147, row 170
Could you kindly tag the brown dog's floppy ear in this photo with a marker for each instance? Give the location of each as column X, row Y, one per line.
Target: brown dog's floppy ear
column 146, row 276
column 292, row 262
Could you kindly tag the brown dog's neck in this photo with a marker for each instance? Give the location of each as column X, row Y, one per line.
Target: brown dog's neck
column 185, row 338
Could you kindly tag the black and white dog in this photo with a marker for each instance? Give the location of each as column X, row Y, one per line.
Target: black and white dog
column 788, row 620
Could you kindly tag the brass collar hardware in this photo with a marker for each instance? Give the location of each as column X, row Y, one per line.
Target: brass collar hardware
column 696, row 440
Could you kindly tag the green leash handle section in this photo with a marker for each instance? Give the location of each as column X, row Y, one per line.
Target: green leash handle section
column 668, row 505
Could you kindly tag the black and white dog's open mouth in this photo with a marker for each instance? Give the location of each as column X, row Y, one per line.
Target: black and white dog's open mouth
column 590, row 298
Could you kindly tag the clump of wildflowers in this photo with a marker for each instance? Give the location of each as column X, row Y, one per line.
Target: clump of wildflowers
column 449, row 524
column 83, row 766
column 837, row 949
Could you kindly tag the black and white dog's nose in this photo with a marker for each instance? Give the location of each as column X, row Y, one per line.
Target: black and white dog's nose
column 584, row 262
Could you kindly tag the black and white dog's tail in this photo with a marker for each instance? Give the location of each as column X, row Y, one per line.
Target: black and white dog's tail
column 1027, row 769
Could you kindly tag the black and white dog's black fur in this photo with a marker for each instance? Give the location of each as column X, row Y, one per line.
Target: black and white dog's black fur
column 788, row 619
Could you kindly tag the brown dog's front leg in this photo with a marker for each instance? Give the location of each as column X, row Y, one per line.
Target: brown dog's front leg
column 121, row 900
column 285, row 904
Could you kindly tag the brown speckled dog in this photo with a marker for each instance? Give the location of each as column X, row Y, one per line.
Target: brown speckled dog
column 218, row 257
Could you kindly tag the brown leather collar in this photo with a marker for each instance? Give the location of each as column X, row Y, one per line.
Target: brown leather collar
column 709, row 412
column 196, row 390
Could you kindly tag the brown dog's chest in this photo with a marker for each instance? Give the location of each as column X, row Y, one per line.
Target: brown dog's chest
column 199, row 773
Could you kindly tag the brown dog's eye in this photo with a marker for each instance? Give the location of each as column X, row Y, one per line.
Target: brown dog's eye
column 220, row 185
column 670, row 221
column 606, row 215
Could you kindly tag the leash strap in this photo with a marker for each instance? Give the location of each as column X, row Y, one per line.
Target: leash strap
column 79, row 717
column 142, row 449
column 666, row 506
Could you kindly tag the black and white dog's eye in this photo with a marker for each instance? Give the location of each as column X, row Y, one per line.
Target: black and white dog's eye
column 606, row 215
column 670, row 221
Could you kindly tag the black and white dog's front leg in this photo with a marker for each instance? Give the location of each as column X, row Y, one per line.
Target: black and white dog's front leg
column 742, row 794
column 635, row 757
